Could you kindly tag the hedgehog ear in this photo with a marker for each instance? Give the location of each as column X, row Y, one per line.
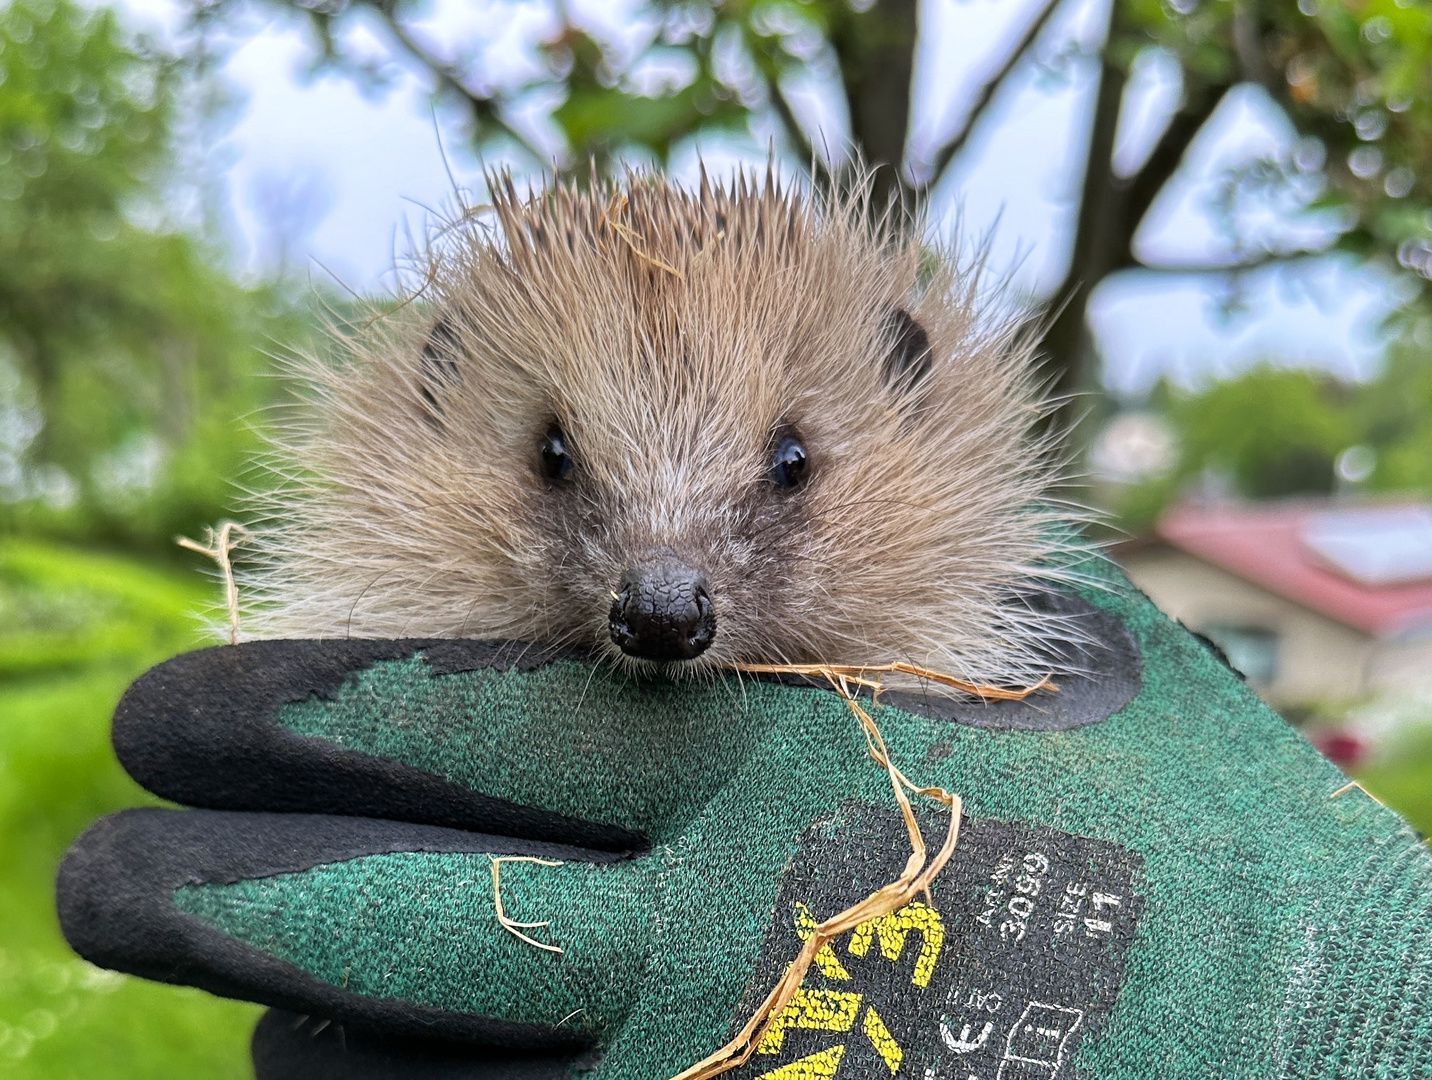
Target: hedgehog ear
column 438, row 371
column 910, row 359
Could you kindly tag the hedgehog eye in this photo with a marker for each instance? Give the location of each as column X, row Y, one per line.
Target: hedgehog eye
column 556, row 459
column 789, row 464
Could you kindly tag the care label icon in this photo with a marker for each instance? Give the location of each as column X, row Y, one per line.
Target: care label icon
column 1036, row 1042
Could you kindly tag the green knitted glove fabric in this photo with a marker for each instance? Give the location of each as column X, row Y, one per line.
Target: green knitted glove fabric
column 1174, row 890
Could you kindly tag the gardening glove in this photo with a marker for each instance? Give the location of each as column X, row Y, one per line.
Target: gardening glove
column 1155, row 876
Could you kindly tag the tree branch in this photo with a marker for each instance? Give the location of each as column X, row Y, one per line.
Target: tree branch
column 1248, row 46
column 1143, row 187
column 956, row 142
column 484, row 111
column 1255, row 261
column 788, row 120
column 876, row 47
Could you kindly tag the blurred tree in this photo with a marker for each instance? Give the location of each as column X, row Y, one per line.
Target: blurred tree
column 1266, row 433
column 1272, row 432
column 1394, row 413
column 121, row 335
column 1353, row 76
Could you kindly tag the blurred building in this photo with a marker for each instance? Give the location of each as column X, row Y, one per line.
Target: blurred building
column 1314, row 601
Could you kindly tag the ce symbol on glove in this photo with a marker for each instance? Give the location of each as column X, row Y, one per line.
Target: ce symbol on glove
column 359, row 800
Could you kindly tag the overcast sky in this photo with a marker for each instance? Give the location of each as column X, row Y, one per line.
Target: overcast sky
column 321, row 173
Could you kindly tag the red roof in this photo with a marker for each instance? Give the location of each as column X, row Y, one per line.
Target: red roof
column 1264, row 543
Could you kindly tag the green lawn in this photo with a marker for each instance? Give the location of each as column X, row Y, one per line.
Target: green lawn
column 75, row 628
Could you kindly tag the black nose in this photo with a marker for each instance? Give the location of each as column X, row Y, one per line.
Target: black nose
column 663, row 612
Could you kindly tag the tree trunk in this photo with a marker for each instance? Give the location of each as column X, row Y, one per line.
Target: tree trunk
column 877, row 54
column 1102, row 240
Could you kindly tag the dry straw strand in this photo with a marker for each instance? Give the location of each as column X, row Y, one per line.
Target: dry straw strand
column 920, row 870
column 1349, row 786
column 859, row 675
column 630, row 238
column 218, row 544
column 511, row 925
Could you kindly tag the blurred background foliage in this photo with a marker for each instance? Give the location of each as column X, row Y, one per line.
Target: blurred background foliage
column 129, row 350
column 129, row 354
column 1272, row 432
column 135, row 362
column 1354, row 78
column 130, row 363
column 76, row 626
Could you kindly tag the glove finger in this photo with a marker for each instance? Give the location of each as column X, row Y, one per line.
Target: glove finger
column 501, row 738
column 389, row 924
column 457, row 733
column 287, row 1046
column 206, row 728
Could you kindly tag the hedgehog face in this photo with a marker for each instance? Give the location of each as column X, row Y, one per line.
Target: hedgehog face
column 681, row 429
column 661, row 608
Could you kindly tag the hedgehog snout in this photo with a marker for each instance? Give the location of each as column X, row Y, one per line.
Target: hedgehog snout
column 662, row 611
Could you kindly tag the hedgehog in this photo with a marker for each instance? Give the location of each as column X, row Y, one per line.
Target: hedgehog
column 682, row 428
